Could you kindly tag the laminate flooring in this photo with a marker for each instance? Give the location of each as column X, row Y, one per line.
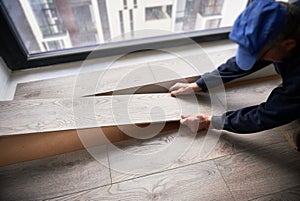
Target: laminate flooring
column 268, row 173
column 32, row 116
column 174, row 165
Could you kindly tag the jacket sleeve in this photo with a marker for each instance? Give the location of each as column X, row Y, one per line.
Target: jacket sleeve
column 227, row 72
column 281, row 107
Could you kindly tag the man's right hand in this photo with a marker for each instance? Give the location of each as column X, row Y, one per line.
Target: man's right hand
column 184, row 88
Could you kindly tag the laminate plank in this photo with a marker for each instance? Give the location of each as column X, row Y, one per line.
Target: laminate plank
column 260, row 172
column 85, row 83
column 196, row 182
column 291, row 194
column 33, row 116
column 178, row 68
column 250, row 94
column 54, row 176
column 171, row 149
column 189, row 65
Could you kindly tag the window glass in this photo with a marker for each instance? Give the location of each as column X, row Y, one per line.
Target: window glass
column 48, row 25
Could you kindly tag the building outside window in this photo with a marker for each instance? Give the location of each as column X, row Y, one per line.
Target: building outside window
column 211, row 7
column 67, row 24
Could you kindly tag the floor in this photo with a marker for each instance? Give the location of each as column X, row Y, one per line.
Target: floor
column 174, row 165
column 250, row 167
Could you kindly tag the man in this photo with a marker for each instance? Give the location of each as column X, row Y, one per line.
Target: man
column 266, row 32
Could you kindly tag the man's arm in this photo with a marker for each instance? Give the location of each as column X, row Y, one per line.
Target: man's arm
column 227, row 72
column 281, row 108
column 224, row 73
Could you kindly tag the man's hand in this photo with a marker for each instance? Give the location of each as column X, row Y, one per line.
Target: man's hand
column 196, row 122
column 184, row 88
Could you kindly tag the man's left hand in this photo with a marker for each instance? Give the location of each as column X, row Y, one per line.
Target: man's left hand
column 196, row 122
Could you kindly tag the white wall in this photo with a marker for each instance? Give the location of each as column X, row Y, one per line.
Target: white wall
column 4, row 79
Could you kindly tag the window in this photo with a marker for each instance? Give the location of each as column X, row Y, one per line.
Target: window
column 156, row 13
column 212, row 23
column 54, row 45
column 211, row 7
column 49, row 28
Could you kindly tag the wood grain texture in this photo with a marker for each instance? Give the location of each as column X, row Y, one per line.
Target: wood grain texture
column 84, row 83
column 71, row 142
column 34, row 116
column 260, row 172
column 196, row 182
column 53, row 176
column 188, row 66
column 249, row 94
column 171, row 149
column 291, row 194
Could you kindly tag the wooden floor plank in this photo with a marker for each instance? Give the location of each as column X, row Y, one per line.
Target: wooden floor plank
column 86, row 83
column 33, row 116
column 53, row 176
column 250, row 94
column 196, row 182
column 291, row 194
column 137, row 157
column 178, row 68
column 260, row 172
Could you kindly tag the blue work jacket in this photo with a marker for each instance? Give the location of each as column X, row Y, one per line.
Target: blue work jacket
column 281, row 107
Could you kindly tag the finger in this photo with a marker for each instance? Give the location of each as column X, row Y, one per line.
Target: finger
column 183, row 121
column 174, row 87
column 176, row 92
column 173, row 93
column 183, row 116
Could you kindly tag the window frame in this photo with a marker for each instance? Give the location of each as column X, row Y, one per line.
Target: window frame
column 16, row 57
